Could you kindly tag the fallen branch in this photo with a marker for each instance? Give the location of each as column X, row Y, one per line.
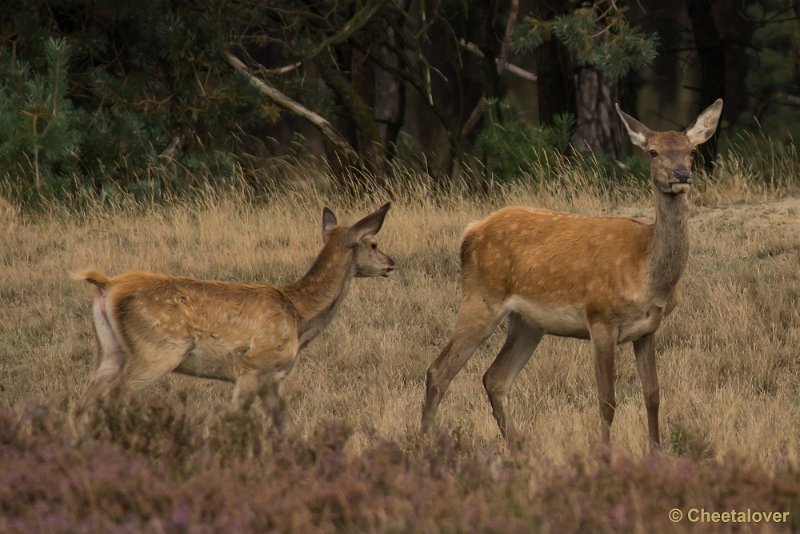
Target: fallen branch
column 791, row 100
column 285, row 69
column 284, row 101
column 510, row 67
column 169, row 153
column 502, row 61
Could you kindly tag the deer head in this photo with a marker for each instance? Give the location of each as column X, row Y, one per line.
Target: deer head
column 360, row 238
column 671, row 152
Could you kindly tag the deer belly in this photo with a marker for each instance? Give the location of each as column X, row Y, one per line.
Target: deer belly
column 212, row 358
column 559, row 320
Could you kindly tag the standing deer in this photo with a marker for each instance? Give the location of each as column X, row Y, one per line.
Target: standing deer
column 148, row 325
column 607, row 279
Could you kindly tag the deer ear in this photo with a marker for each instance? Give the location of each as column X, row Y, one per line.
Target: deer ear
column 328, row 223
column 369, row 225
column 705, row 125
column 637, row 131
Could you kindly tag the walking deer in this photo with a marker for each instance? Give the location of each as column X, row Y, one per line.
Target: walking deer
column 608, row 279
column 148, row 325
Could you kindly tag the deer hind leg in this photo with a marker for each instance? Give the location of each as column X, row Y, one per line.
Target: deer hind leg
column 111, row 359
column 604, row 343
column 152, row 362
column 521, row 341
column 476, row 321
column 645, row 351
column 111, row 355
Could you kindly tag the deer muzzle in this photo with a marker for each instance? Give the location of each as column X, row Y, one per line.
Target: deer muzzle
column 681, row 180
column 682, row 176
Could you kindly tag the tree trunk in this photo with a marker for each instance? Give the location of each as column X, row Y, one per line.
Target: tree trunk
column 597, row 125
column 368, row 141
column 712, row 66
column 555, row 85
column 736, row 31
column 490, row 46
column 390, row 95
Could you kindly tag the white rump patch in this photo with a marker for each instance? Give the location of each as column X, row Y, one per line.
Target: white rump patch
column 113, row 355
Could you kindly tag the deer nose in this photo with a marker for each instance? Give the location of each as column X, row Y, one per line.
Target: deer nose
column 684, row 176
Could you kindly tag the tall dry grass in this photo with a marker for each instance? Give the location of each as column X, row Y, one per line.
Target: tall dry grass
column 728, row 357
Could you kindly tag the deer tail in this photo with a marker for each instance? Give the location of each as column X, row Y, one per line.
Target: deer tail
column 96, row 278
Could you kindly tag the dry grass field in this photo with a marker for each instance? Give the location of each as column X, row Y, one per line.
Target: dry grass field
column 728, row 358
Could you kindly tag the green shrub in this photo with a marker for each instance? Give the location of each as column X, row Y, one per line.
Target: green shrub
column 41, row 143
column 510, row 148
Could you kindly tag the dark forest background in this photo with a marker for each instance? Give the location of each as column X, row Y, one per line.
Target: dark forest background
column 158, row 95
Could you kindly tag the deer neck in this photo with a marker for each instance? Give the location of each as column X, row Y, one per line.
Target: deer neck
column 670, row 249
column 317, row 296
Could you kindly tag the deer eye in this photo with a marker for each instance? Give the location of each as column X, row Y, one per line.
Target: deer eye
column 374, row 246
column 653, row 153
